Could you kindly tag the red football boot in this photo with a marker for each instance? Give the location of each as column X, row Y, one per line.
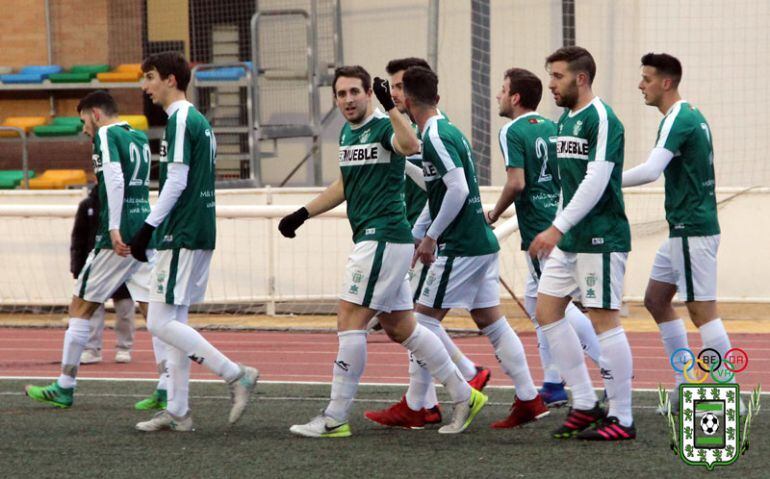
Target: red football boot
column 523, row 412
column 398, row 415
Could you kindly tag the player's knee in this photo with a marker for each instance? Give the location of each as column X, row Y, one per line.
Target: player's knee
column 654, row 304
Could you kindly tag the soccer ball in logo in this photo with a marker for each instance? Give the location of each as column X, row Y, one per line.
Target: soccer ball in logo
column 709, row 423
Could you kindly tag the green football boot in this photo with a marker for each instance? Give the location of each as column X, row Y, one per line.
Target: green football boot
column 52, row 394
column 156, row 401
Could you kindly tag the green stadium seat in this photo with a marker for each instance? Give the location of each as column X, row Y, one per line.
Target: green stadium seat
column 57, row 130
column 58, row 179
column 70, row 77
column 10, row 179
column 91, row 69
column 67, row 120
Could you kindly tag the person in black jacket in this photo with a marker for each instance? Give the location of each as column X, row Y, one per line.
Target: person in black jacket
column 82, row 242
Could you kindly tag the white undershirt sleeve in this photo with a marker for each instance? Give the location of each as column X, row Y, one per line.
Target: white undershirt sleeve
column 589, row 193
column 422, row 224
column 454, row 199
column 176, row 182
column 113, row 184
column 414, row 172
column 650, row 170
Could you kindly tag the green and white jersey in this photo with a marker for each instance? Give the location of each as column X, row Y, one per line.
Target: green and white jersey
column 529, row 142
column 373, row 179
column 189, row 139
column 691, row 206
column 445, row 148
column 593, row 133
column 120, row 143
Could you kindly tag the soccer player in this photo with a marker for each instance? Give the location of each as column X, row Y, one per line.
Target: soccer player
column 185, row 219
column 372, row 150
column 459, row 245
column 528, row 144
column 593, row 238
column 121, row 157
column 421, row 394
column 687, row 261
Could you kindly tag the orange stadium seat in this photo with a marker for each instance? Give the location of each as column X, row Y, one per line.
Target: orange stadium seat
column 58, row 179
column 137, row 122
column 126, row 72
column 26, row 123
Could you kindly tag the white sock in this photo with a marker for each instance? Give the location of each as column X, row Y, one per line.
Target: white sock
column 714, row 335
column 178, row 365
column 617, row 369
column 550, row 371
column 420, row 382
column 162, row 322
column 510, row 353
column 465, row 365
column 568, row 357
column 427, row 349
column 160, row 349
column 674, row 336
column 585, row 331
column 178, row 395
column 348, row 368
column 75, row 340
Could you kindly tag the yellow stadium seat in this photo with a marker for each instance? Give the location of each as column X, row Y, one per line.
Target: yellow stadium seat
column 58, row 179
column 137, row 122
column 26, row 123
column 129, row 67
column 119, row 76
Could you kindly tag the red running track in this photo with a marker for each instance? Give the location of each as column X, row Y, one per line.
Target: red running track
column 297, row 357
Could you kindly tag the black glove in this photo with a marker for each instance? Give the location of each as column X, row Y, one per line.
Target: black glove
column 140, row 241
column 290, row 223
column 382, row 92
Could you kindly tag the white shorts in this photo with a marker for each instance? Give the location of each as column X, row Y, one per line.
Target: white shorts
column 690, row 264
column 376, row 276
column 417, row 277
column 467, row 282
column 594, row 278
column 104, row 272
column 535, row 268
column 180, row 276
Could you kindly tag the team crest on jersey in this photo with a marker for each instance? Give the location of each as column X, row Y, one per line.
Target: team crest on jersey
column 364, row 136
column 160, row 282
column 577, row 127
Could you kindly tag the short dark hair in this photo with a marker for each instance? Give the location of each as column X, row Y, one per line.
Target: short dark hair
column 665, row 64
column 578, row 60
column 169, row 63
column 421, row 85
column 527, row 85
column 403, row 64
column 99, row 99
column 353, row 71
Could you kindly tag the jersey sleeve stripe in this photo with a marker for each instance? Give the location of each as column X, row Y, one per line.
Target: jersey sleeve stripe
column 668, row 124
column 504, row 142
column 438, row 145
column 179, row 134
column 104, row 146
column 601, row 137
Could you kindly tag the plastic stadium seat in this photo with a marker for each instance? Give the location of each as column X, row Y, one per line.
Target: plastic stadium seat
column 6, row 70
column 70, row 77
column 26, row 123
column 22, row 78
column 129, row 68
column 58, row 179
column 221, row 74
column 137, row 122
column 44, row 70
column 67, row 120
column 57, row 130
column 119, row 76
column 91, row 69
column 10, row 179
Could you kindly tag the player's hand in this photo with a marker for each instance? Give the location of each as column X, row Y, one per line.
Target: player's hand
column 425, row 252
column 382, row 92
column 140, row 241
column 289, row 223
column 545, row 242
column 118, row 246
column 490, row 217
